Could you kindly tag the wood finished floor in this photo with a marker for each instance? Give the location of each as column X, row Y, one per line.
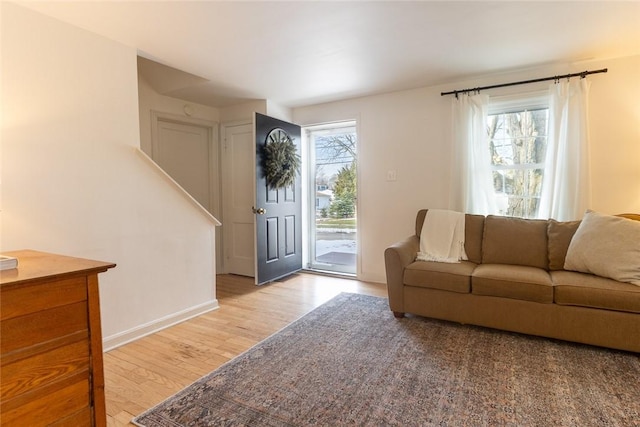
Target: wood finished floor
column 145, row 372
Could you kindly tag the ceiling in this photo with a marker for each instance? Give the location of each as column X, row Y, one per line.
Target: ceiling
column 307, row 52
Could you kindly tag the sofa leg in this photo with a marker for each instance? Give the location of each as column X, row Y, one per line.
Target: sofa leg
column 398, row 314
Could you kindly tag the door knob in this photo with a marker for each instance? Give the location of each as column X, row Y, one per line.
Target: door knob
column 259, row 211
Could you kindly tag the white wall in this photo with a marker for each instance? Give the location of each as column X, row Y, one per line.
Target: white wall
column 242, row 112
column 73, row 184
column 615, row 136
column 409, row 132
column 279, row 112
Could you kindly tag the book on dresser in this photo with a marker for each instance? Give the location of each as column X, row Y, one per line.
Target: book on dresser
column 8, row 262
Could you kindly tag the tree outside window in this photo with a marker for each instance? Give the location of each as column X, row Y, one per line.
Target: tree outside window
column 344, row 192
column 517, row 145
column 336, row 157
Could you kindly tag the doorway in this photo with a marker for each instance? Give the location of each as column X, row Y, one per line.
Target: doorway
column 332, row 153
column 262, row 219
column 238, row 171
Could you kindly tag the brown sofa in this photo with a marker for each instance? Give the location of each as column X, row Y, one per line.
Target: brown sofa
column 514, row 280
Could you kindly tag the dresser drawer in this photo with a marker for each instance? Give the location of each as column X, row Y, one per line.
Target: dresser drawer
column 40, row 328
column 45, row 406
column 18, row 301
column 27, row 374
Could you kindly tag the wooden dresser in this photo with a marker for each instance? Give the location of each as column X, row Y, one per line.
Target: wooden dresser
column 50, row 342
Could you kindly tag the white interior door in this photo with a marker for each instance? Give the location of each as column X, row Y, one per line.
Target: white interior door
column 238, row 171
column 184, row 152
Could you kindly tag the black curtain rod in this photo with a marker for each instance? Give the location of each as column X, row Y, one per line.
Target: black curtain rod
column 524, row 82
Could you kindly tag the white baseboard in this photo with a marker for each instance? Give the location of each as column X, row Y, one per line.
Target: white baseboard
column 138, row 332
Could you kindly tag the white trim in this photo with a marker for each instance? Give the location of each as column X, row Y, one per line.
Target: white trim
column 308, row 132
column 506, row 104
column 359, row 192
column 331, row 125
column 232, row 123
column 177, row 186
column 138, row 332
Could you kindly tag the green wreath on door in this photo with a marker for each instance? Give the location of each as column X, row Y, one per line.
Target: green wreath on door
column 281, row 162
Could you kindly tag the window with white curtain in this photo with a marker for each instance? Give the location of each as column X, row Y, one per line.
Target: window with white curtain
column 525, row 156
column 517, row 129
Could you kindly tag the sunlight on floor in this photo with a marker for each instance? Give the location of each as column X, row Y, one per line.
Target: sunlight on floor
column 308, row 289
column 321, row 289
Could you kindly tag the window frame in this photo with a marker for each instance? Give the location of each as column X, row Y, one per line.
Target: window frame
column 310, row 261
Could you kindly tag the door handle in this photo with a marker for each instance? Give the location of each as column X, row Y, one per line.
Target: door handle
column 259, row 211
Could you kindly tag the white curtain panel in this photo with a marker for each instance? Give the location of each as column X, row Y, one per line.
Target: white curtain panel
column 566, row 186
column 471, row 179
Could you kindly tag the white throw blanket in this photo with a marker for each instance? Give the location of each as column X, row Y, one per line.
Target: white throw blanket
column 442, row 237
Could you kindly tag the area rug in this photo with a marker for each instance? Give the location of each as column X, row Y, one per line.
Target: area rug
column 350, row 362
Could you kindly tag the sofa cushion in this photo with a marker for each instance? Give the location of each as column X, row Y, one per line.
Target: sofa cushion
column 515, row 241
column 455, row 277
column 559, row 236
column 587, row 290
column 607, row 246
column 512, row 281
column 473, row 229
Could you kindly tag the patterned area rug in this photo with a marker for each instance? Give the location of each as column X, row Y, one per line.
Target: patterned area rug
column 349, row 362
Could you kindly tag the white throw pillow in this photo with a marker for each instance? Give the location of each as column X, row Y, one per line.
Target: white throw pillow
column 607, row 246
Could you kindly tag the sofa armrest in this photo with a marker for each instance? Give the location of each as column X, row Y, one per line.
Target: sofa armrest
column 396, row 258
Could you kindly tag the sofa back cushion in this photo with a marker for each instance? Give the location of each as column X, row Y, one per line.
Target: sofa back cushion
column 422, row 213
column 515, row 241
column 559, row 235
column 473, row 230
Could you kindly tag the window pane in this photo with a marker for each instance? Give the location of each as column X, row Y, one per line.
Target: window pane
column 517, row 145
